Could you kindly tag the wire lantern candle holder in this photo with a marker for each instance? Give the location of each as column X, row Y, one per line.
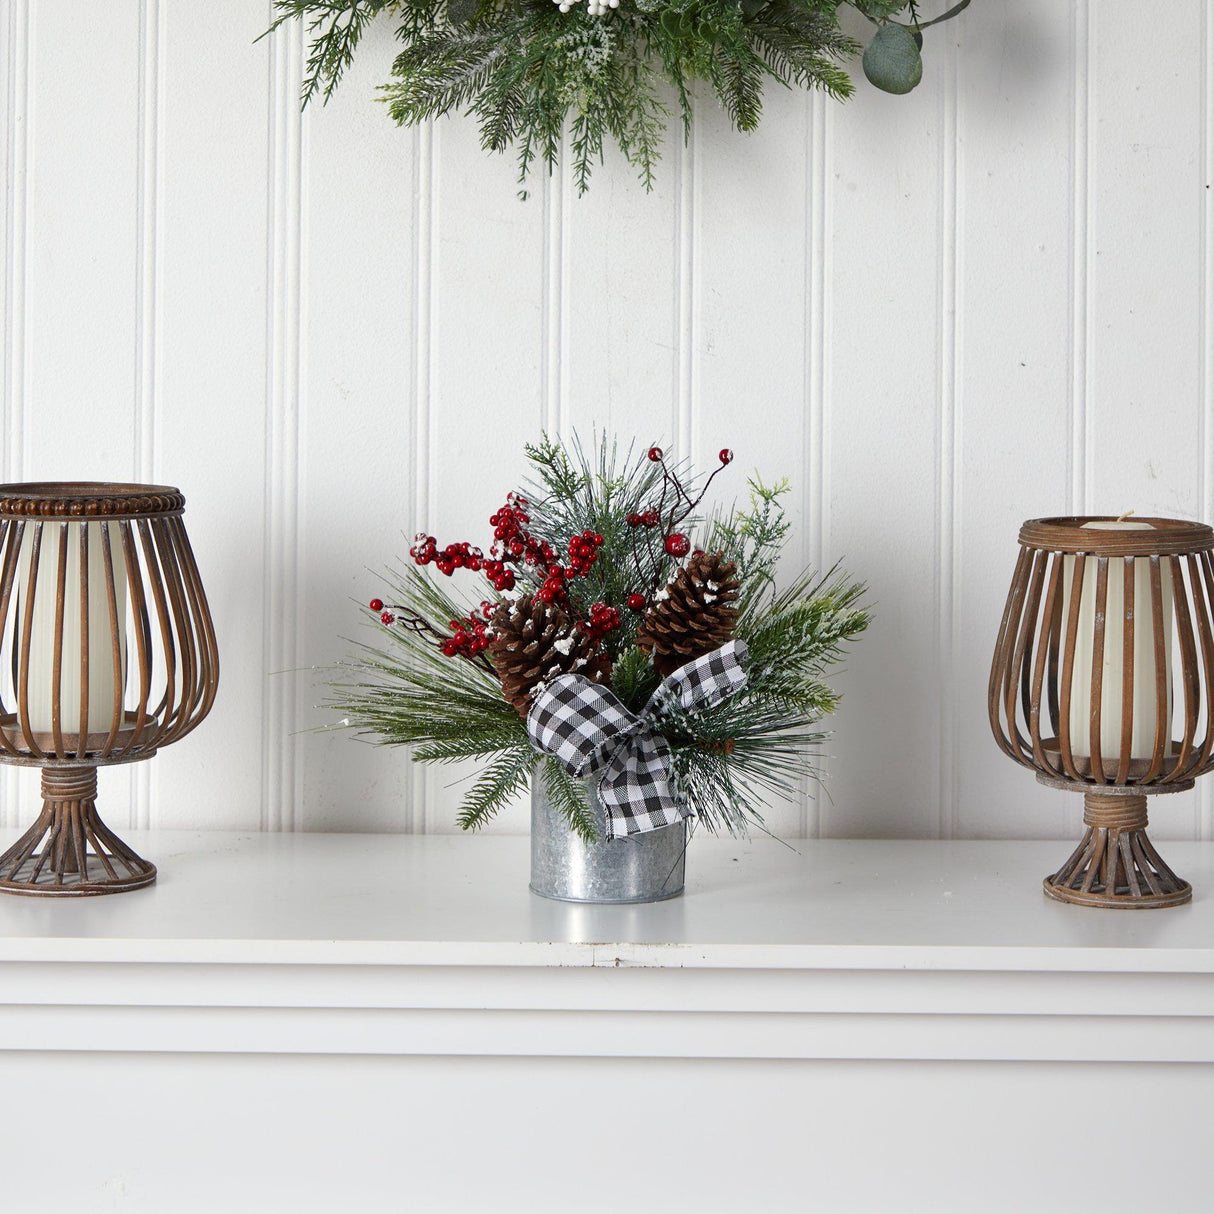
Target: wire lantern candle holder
column 1104, row 653
column 107, row 653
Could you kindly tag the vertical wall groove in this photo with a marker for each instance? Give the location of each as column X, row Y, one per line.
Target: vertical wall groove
column 1080, row 281
column 685, row 335
column 1205, row 796
column 417, row 817
column 284, row 319
column 949, row 481
column 148, row 190
column 16, row 194
column 814, row 466
column 17, row 106
column 1080, row 268
column 552, row 413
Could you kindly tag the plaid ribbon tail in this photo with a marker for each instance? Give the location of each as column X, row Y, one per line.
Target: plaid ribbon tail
column 635, row 788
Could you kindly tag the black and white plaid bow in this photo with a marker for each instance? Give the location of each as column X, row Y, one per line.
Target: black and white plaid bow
column 585, row 728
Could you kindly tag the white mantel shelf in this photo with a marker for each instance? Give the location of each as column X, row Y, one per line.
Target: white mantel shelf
column 373, row 944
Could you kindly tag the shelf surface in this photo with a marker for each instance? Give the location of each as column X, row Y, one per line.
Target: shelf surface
column 438, row 900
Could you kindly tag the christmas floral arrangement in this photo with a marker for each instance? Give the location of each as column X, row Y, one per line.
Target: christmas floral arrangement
column 535, row 73
column 621, row 638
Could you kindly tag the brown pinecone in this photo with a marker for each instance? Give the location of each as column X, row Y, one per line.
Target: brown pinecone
column 695, row 615
column 534, row 642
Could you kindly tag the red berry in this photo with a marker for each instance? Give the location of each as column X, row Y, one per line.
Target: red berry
column 650, row 518
column 376, row 604
column 678, row 545
column 636, row 601
column 387, row 618
column 655, row 454
column 725, row 455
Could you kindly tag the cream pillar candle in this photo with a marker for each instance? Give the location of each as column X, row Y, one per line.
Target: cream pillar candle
column 101, row 678
column 1142, row 743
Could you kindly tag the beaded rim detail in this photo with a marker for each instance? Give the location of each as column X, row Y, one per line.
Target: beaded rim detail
column 88, row 499
column 1167, row 537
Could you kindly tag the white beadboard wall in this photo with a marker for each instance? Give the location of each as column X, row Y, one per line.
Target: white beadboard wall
column 937, row 315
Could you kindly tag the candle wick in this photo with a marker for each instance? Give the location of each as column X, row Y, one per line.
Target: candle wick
column 1121, row 518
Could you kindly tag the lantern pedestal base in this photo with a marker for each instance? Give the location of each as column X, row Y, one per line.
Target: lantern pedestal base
column 1115, row 864
column 69, row 852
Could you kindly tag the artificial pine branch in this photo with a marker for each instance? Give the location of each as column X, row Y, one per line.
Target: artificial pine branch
column 413, row 687
column 335, row 28
column 569, row 797
column 529, row 73
column 504, row 779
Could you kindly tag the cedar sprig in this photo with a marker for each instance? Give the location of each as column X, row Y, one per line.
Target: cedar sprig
column 546, row 83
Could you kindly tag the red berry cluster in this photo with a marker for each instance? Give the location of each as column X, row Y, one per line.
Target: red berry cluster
column 603, row 619
column 511, row 540
column 583, row 552
column 500, row 578
column 468, row 637
column 646, row 518
column 454, row 556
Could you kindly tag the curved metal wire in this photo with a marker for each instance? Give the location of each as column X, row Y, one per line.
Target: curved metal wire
column 1058, row 707
column 106, row 637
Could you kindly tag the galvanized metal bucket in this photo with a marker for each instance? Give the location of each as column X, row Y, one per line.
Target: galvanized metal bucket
column 641, row 868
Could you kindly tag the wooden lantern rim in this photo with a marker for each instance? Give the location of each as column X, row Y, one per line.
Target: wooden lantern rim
column 88, row 499
column 1168, row 537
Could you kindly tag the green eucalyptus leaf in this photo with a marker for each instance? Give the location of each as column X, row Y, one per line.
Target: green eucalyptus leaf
column 892, row 61
column 752, row 7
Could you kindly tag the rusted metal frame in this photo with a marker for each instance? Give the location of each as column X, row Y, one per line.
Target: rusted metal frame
column 10, row 538
column 84, row 723
column 20, row 852
column 202, row 611
column 116, row 639
column 1054, row 642
column 999, row 663
column 1053, row 598
column 193, row 676
column 98, row 850
column 143, row 639
column 57, row 647
column 186, row 646
column 1096, row 704
column 155, row 578
column 1200, row 576
column 1188, row 668
column 1162, row 717
column 23, row 686
column 1065, row 752
column 1128, row 587
column 1014, row 678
